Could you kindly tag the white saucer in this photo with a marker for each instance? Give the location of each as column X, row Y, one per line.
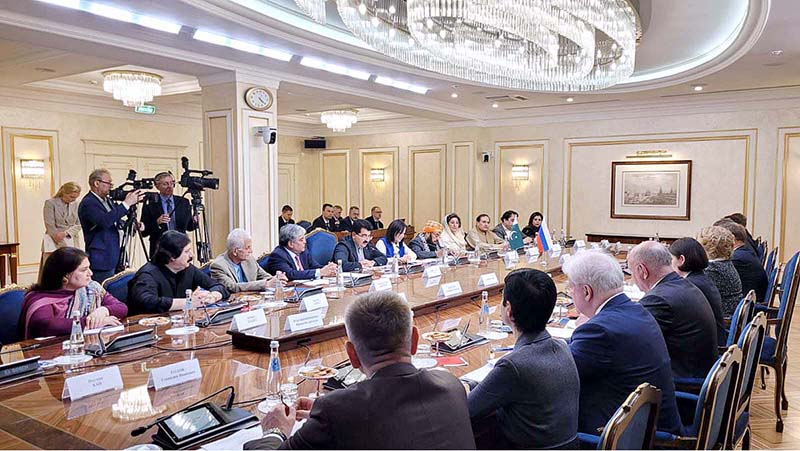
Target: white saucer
column 186, row 330
column 423, row 363
column 65, row 360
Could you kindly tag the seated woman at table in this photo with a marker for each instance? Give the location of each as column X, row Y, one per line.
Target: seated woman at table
column 392, row 244
column 426, row 243
column 533, row 390
column 66, row 288
column 534, row 222
column 718, row 243
column 160, row 286
column 453, row 238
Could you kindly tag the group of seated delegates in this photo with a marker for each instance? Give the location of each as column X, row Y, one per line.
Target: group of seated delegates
column 392, row 246
column 426, row 243
column 504, row 229
column 291, row 257
column 236, row 269
column 481, row 238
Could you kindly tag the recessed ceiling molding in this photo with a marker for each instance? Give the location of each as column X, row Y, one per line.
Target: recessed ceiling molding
column 315, row 63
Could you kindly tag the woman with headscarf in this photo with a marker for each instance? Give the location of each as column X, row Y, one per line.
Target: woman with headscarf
column 453, row 237
column 426, row 243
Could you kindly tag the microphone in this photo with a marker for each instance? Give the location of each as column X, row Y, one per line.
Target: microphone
column 228, row 405
column 100, row 340
column 207, row 322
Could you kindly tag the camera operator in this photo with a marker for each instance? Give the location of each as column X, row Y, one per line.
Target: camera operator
column 167, row 213
column 100, row 216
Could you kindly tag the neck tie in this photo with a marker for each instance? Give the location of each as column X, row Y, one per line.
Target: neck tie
column 299, row 265
column 171, row 224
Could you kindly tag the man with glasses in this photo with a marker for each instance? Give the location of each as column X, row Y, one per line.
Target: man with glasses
column 291, row 257
column 375, row 218
column 355, row 251
column 169, row 213
column 100, row 219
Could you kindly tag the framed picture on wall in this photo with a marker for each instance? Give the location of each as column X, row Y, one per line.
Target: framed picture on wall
column 651, row 189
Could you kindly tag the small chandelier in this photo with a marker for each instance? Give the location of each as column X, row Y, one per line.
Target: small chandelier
column 339, row 120
column 133, row 88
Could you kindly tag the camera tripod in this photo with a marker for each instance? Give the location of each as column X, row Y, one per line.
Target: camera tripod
column 202, row 237
column 129, row 229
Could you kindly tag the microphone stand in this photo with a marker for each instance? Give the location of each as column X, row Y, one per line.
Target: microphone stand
column 228, row 405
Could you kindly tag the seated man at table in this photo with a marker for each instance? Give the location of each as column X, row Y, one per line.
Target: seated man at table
column 291, row 257
column 160, row 286
column 534, row 389
column 747, row 264
column 397, row 407
column 347, row 223
column 426, row 243
column 680, row 308
column 236, row 269
column 481, row 238
column 619, row 347
column 356, row 251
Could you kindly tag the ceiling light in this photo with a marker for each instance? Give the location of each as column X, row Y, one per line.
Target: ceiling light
column 401, row 85
column 570, row 99
column 133, row 88
column 495, row 105
column 698, row 88
column 339, row 120
column 454, row 95
column 334, row 68
column 218, row 39
column 114, row 13
column 776, row 52
column 74, row 4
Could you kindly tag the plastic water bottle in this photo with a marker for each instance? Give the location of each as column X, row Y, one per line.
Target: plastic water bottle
column 76, row 340
column 278, row 290
column 340, row 275
column 396, row 266
column 274, row 378
column 188, row 310
column 483, row 316
column 444, row 256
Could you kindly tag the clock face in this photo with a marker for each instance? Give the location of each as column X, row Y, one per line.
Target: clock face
column 258, row 98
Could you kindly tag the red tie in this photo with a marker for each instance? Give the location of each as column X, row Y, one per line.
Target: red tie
column 299, row 265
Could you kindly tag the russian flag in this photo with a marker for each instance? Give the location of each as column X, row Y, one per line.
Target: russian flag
column 544, row 241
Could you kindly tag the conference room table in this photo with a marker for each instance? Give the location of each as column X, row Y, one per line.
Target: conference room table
column 33, row 415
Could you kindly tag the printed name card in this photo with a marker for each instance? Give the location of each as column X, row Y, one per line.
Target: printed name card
column 555, row 248
column 247, row 320
column 303, row 321
column 511, row 256
column 487, row 280
column 174, row 374
column 382, row 284
column 449, row 324
column 432, row 282
column 532, row 251
column 432, row 271
column 449, row 289
column 315, row 302
column 78, row 387
column 580, row 243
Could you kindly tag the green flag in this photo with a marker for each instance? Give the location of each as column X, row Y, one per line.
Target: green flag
column 515, row 241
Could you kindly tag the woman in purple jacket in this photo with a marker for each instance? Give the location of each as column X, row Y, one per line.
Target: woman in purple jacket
column 66, row 287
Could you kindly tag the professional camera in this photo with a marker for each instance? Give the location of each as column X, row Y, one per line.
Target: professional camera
column 195, row 183
column 118, row 194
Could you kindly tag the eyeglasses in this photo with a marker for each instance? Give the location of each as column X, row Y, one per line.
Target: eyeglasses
column 107, row 183
column 366, row 236
column 172, row 184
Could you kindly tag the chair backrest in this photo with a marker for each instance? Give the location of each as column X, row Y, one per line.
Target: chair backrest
column 772, row 284
column 321, row 244
column 206, row 269
column 117, row 284
column 377, row 235
column 769, row 264
column 788, row 297
column 633, row 425
column 263, row 260
column 304, row 224
column 741, row 317
column 788, row 282
column 762, row 251
column 751, row 342
column 11, row 298
column 717, row 396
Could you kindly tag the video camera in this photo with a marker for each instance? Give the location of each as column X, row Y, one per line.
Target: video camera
column 194, row 183
column 119, row 193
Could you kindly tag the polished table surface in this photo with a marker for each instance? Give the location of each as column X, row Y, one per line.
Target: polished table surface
column 32, row 413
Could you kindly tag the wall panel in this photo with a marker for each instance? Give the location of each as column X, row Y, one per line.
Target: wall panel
column 426, row 184
column 522, row 196
column 335, row 177
column 790, row 196
column 461, row 182
column 385, row 193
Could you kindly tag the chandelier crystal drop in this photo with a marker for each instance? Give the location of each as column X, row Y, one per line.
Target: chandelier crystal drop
column 339, row 120
column 133, row 88
column 314, row 9
column 538, row 45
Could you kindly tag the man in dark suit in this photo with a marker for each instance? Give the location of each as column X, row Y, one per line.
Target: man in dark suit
column 680, row 308
column 619, row 347
column 347, row 223
column 100, row 219
column 397, row 407
column 356, row 251
column 168, row 213
column 374, row 219
column 292, row 258
column 286, row 216
column 325, row 220
column 747, row 263
column 741, row 219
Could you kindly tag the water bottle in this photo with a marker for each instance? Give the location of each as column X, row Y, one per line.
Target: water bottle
column 444, row 256
column 340, row 276
column 396, row 266
column 278, row 290
column 188, row 310
column 76, row 341
column 274, row 378
column 483, row 316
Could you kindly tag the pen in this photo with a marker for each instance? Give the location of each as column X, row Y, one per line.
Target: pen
column 504, row 348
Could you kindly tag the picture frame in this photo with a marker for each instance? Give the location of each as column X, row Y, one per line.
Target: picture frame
column 655, row 190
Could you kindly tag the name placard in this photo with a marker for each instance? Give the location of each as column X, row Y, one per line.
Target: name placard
column 382, row 284
column 315, row 302
column 532, row 251
column 580, row 243
column 449, row 289
column 449, row 324
column 174, row 374
column 432, row 271
column 432, row 282
column 511, row 256
column 303, row 321
column 487, row 280
column 555, row 248
column 100, row 381
column 247, row 320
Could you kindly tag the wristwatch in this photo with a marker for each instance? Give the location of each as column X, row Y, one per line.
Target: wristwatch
column 275, row 431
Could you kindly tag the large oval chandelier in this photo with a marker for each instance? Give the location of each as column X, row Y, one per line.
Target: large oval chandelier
column 541, row 45
column 133, row 88
column 339, row 120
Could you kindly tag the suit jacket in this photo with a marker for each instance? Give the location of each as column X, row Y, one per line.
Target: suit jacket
column 281, row 260
column 687, row 323
column 375, row 224
column 282, row 223
column 321, row 223
column 422, row 248
column 152, row 210
column 701, row 281
column 500, row 231
column 399, row 407
column 101, row 231
column 535, row 392
column 345, row 251
column 222, row 271
column 751, row 273
column 154, row 287
column 346, row 224
column 615, row 351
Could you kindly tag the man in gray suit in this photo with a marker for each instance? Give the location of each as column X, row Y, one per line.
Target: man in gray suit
column 396, row 407
column 236, row 269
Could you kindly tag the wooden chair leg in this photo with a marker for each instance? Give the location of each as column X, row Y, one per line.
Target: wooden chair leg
column 785, row 400
column 778, row 393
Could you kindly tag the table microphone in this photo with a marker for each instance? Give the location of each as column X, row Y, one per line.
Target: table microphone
column 208, row 319
column 228, row 405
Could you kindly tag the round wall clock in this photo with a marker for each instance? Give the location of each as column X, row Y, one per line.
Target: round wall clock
column 258, row 98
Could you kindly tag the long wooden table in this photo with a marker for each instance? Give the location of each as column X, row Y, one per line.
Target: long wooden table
column 32, row 413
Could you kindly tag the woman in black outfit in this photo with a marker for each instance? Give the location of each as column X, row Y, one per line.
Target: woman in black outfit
column 534, row 222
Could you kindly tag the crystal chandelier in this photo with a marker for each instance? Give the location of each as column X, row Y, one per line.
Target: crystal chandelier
column 541, row 45
column 133, row 88
column 339, row 120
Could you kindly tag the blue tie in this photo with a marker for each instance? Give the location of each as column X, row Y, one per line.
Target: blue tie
column 171, row 225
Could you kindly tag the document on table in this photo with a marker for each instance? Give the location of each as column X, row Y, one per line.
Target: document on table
column 481, row 373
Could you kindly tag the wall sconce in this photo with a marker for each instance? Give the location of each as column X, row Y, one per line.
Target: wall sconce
column 519, row 172
column 31, row 169
column 377, row 174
